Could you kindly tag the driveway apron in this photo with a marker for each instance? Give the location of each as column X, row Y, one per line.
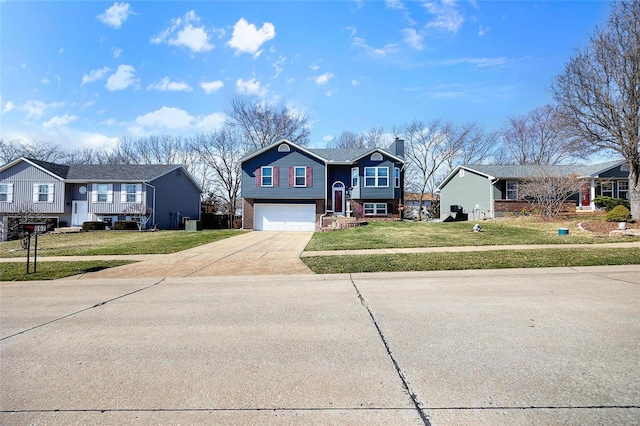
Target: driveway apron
column 250, row 253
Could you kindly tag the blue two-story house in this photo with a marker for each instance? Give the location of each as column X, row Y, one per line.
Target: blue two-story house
column 286, row 187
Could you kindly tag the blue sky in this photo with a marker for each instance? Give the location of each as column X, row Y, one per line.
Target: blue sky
column 84, row 73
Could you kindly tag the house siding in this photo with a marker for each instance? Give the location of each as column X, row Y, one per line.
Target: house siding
column 467, row 190
column 283, row 160
column 24, row 176
column 175, row 193
column 377, row 193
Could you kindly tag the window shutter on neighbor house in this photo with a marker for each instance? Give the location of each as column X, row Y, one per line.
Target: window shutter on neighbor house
column 110, row 193
column 139, row 193
column 291, row 178
column 36, row 191
column 309, row 176
column 50, row 194
column 276, row 176
column 258, row 177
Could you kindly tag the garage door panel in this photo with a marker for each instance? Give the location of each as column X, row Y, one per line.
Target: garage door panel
column 284, row 217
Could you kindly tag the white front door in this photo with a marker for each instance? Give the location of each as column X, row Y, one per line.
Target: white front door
column 79, row 212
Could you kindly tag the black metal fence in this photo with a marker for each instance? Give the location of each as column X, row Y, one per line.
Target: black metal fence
column 221, row 221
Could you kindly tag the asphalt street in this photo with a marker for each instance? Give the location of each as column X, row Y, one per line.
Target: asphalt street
column 535, row 346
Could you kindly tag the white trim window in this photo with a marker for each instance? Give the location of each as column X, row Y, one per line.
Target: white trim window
column 375, row 208
column 355, row 178
column 376, row 177
column 130, row 193
column 102, row 193
column 511, row 192
column 396, row 176
column 266, row 176
column 299, row 176
column 43, row 193
column 606, row 189
column 623, row 189
column 6, row 193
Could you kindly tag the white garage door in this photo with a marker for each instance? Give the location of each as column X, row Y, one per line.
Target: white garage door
column 284, row 217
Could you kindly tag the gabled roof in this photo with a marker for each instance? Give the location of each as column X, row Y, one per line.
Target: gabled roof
column 104, row 172
column 524, row 171
column 328, row 155
column 58, row 171
column 119, row 172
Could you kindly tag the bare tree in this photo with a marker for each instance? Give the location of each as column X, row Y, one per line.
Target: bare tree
column 140, row 212
column 261, row 124
column 547, row 192
column 477, row 146
column 539, row 137
column 45, row 151
column 221, row 152
column 348, row 139
column 600, row 90
column 429, row 148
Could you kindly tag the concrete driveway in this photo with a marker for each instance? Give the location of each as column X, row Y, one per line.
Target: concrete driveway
column 525, row 347
column 249, row 253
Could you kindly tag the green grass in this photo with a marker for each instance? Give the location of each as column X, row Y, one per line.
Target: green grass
column 439, row 234
column 116, row 243
column 498, row 259
column 17, row 271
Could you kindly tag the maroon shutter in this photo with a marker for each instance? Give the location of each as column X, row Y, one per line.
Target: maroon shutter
column 276, row 180
column 291, row 178
column 258, row 182
column 309, row 176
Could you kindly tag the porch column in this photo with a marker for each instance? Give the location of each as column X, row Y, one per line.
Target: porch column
column 592, row 195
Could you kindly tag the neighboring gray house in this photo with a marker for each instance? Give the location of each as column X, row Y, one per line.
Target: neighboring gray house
column 73, row 194
column 290, row 188
column 488, row 191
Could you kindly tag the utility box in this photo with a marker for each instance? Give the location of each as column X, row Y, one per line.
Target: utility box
column 192, row 225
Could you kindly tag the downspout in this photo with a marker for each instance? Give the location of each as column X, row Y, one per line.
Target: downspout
column 492, row 206
column 153, row 212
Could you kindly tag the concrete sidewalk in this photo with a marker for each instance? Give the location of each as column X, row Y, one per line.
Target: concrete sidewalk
column 525, row 347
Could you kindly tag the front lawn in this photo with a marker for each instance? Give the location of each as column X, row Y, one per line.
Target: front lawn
column 498, row 259
column 17, row 271
column 116, row 242
column 439, row 234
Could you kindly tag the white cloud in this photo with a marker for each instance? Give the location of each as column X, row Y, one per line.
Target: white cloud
column 446, row 16
column 323, row 79
column 35, row 109
column 116, row 15
column 413, row 39
column 483, row 30
column 165, row 85
column 314, row 67
column 395, row 4
column 109, row 122
column 183, row 32
column 246, row 38
column 211, row 122
column 166, row 117
column 95, row 75
column 375, row 52
column 355, row 83
column 250, row 87
column 122, row 78
column 61, row 50
column 210, row 87
column 8, row 107
column 45, row 80
column 116, row 52
column 59, row 121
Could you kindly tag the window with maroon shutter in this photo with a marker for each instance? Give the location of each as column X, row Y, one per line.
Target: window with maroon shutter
column 266, row 176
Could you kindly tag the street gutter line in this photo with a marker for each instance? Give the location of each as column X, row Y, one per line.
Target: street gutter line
column 82, row 310
column 405, row 383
